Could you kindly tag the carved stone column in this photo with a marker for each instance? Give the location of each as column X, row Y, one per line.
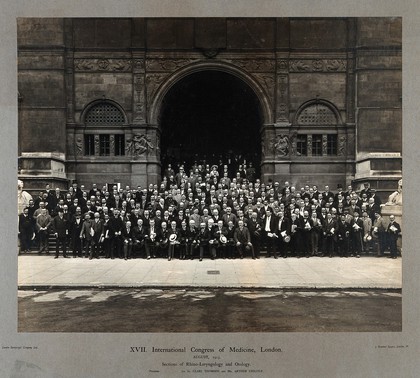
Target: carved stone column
column 282, row 89
column 139, row 89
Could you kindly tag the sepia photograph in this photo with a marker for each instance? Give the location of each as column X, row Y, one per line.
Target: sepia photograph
column 210, row 169
column 209, row 192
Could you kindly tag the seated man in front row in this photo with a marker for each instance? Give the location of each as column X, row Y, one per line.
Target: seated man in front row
column 243, row 240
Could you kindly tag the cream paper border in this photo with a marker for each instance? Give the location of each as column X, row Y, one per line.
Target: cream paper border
column 304, row 354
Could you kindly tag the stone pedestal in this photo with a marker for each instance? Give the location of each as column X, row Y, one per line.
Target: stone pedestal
column 40, row 168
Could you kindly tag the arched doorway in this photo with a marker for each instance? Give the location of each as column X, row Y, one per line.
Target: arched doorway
column 210, row 116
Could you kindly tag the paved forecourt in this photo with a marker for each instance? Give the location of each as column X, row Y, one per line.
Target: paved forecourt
column 312, row 273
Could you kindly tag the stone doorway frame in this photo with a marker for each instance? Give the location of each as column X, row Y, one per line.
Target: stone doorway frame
column 155, row 107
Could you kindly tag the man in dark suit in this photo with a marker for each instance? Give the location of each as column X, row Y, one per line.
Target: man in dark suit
column 203, row 239
column 242, row 239
column 283, row 231
column 61, row 231
column 357, row 234
column 306, row 227
column 98, row 236
column 254, row 228
column 26, row 230
column 75, row 229
column 115, row 229
column 127, row 235
column 139, row 232
column 329, row 231
column 43, row 222
column 269, row 230
column 393, row 231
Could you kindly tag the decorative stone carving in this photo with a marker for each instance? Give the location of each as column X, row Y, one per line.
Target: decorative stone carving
column 139, row 64
column 336, row 65
column 281, row 145
column 342, row 145
column 112, row 144
column 282, row 65
column 251, row 65
column 79, row 146
column 396, row 197
column 210, row 53
column 109, row 65
column 96, row 144
column 299, row 66
column 267, row 82
column 23, row 197
column 325, row 145
column 153, row 81
column 309, row 144
column 167, row 64
column 282, row 97
column 157, row 146
column 139, row 98
column 318, row 65
column 139, row 145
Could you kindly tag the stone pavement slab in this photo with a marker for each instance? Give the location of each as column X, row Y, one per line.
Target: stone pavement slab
column 313, row 273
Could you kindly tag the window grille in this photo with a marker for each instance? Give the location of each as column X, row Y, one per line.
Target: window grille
column 104, row 114
column 317, row 114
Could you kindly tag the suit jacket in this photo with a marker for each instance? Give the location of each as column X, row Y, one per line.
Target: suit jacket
column 139, row 233
column 272, row 223
column 304, row 222
column 75, row 228
column 330, row 227
column 60, row 226
column 127, row 233
column 43, row 221
column 367, row 225
column 204, row 236
column 283, row 225
column 25, row 225
column 396, row 232
column 359, row 222
column 115, row 225
column 242, row 236
column 232, row 217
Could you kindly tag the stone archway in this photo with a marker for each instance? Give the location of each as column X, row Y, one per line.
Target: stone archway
column 213, row 115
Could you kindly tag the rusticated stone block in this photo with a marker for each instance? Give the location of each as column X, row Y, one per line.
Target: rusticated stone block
column 40, row 31
column 210, row 33
column 379, row 89
column 304, row 87
column 255, row 33
column 169, row 33
column 379, row 130
column 379, row 31
column 93, row 86
column 42, row 130
column 41, row 88
column 318, row 34
column 102, row 32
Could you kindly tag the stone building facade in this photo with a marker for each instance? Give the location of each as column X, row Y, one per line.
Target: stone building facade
column 96, row 96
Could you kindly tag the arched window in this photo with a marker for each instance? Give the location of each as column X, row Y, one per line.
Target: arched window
column 104, row 135
column 317, row 124
column 104, row 113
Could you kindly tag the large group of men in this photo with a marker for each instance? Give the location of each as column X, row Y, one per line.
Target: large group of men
column 208, row 214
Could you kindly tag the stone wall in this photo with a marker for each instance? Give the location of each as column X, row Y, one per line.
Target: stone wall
column 352, row 64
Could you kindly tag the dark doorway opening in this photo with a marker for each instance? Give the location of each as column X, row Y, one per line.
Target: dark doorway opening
column 211, row 117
